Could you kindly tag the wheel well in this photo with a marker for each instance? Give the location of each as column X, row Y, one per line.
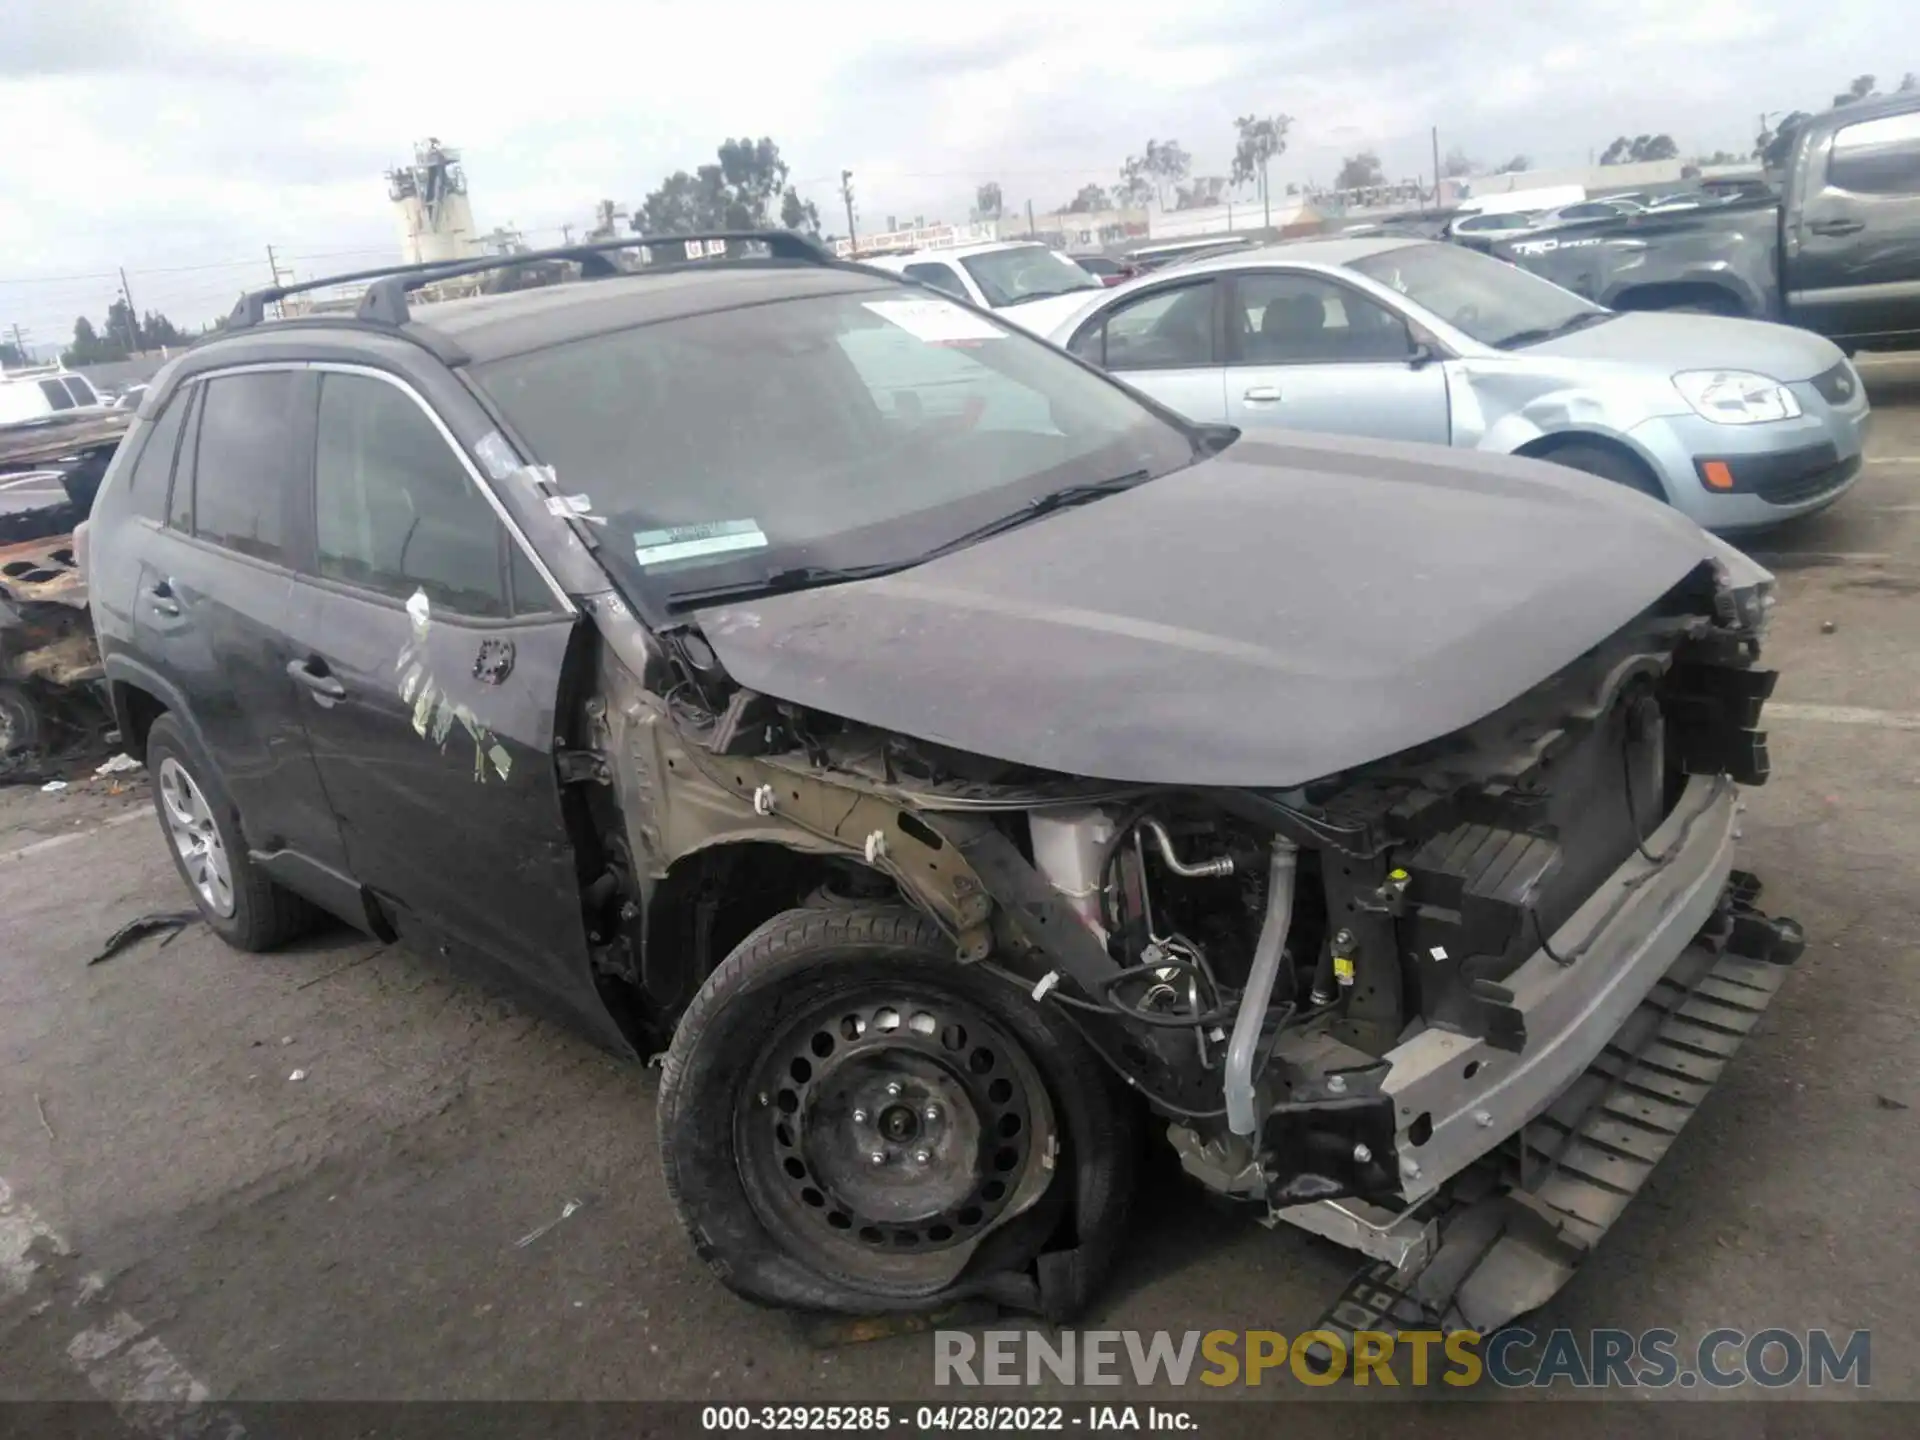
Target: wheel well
column 136, row 710
column 1546, row 445
column 1676, row 294
column 713, row 899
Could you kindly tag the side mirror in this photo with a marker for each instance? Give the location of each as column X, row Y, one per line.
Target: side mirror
column 1215, row 438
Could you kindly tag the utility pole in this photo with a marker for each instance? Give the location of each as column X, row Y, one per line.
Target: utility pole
column 20, row 342
column 1030, row 230
column 1436, row 165
column 273, row 264
column 846, row 194
column 133, row 316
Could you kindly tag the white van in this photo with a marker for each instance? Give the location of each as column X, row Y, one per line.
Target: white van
column 37, row 393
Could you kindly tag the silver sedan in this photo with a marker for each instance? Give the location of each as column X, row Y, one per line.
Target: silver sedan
column 1738, row 423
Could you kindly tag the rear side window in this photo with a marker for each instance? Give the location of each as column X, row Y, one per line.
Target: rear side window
column 57, row 394
column 395, row 510
column 1878, row 157
column 81, row 390
column 242, row 462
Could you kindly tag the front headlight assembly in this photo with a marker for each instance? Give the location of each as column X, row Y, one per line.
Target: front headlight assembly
column 1736, row 397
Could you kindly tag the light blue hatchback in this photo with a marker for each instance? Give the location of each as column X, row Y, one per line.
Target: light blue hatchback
column 1738, row 423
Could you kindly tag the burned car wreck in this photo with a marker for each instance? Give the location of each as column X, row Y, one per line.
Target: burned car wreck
column 960, row 763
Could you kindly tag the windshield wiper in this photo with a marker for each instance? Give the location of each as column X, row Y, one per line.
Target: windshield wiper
column 1049, row 294
column 1549, row 332
column 1065, row 498
column 781, row 582
column 809, row 577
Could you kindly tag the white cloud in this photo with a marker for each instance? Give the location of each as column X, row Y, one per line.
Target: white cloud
column 193, row 133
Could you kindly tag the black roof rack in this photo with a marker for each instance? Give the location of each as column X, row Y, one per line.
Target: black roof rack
column 385, row 302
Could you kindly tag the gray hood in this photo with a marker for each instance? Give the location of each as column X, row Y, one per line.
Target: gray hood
column 1698, row 342
column 1268, row 617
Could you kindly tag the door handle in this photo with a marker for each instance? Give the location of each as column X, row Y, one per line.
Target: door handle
column 1261, row 394
column 1837, row 227
column 312, row 672
column 160, row 595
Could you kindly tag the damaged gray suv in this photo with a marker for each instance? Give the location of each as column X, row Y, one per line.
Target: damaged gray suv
column 958, row 762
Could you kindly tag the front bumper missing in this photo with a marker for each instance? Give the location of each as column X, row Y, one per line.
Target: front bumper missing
column 1503, row 1237
column 1456, row 1097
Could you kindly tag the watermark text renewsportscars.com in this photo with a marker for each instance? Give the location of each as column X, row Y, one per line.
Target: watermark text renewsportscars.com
column 1582, row 1359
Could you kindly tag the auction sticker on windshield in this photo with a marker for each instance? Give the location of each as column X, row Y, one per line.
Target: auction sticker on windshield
column 692, row 542
column 938, row 322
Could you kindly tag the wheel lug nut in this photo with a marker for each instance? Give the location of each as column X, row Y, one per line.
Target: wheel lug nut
column 878, row 1157
column 893, row 1088
column 932, row 1112
column 859, row 1117
column 921, row 1157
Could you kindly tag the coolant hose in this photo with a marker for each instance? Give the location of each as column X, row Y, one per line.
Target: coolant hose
column 1267, row 952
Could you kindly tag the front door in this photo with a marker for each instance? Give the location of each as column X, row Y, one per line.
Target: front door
column 1165, row 342
column 1306, row 352
column 430, row 656
column 1853, row 238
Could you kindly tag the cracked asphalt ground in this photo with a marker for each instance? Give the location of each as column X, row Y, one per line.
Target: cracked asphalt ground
column 390, row 1225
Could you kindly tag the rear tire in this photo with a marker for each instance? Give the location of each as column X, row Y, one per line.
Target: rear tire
column 20, row 727
column 830, row 1036
column 202, row 829
column 1608, row 464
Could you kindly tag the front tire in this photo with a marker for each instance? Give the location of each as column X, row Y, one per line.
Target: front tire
column 1608, row 464
column 852, row 1121
column 236, row 899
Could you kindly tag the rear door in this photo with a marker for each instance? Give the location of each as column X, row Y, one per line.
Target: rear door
column 210, row 606
column 429, row 652
column 1165, row 341
column 1306, row 352
column 1853, row 237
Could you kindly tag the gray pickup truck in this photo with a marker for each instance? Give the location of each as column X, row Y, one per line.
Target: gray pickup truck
column 1838, row 252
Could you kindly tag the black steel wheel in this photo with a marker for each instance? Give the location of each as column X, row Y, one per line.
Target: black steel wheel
column 851, row 1120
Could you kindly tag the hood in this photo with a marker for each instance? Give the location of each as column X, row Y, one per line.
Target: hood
column 1674, row 342
column 1043, row 317
column 1273, row 615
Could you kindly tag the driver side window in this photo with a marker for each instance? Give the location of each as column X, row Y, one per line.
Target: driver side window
column 394, row 509
column 1297, row 319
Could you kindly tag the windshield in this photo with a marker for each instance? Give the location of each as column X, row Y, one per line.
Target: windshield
column 1490, row 300
column 848, row 430
column 1026, row 272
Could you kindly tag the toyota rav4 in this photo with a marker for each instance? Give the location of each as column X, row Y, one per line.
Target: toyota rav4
column 957, row 762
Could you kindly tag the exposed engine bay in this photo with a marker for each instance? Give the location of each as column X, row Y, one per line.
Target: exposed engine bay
column 1346, row 1001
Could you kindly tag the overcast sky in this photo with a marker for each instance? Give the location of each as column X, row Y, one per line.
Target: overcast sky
column 180, row 137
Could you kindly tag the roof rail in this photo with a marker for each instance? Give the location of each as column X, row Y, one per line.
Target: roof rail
column 385, row 302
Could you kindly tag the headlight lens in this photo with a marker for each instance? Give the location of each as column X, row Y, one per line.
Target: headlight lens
column 1736, row 397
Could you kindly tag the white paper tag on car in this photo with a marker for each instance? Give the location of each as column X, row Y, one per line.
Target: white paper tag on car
column 690, row 542
column 938, row 322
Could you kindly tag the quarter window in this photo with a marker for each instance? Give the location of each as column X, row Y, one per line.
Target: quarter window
column 154, row 467
column 1165, row 330
column 1304, row 320
column 940, row 277
column 395, row 511
column 242, row 460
